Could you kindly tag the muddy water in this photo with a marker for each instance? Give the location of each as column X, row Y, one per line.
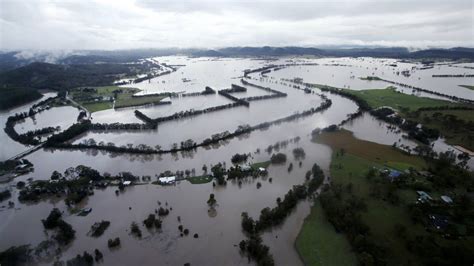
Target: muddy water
column 218, row 234
column 198, row 128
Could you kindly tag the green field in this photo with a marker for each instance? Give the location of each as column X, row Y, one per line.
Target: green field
column 471, row 87
column 317, row 237
column 123, row 98
column 203, row 179
column 401, row 101
column 265, row 164
column 95, row 107
column 319, row 244
column 352, row 159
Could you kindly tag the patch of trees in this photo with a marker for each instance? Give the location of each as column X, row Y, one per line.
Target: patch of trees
column 236, row 172
column 113, row 243
column 351, row 117
column 97, row 229
column 121, row 126
column 207, row 91
column 281, row 144
column 15, row 96
column 239, row 158
column 64, row 232
column 218, row 172
column 135, row 230
column 278, row 158
column 299, row 153
column 76, row 184
column 453, row 76
column 17, row 255
column 151, row 221
column 267, row 89
column 317, row 180
column 227, row 93
column 263, row 97
column 344, row 214
column 254, row 248
column 422, row 134
column 260, row 69
column 70, row 133
column 31, row 137
column 275, row 216
column 144, row 117
column 6, row 194
column 154, row 75
column 85, row 259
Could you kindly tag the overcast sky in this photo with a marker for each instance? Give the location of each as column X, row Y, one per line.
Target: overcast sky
column 124, row 24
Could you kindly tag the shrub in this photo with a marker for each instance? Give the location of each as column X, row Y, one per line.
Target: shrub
column 278, row 158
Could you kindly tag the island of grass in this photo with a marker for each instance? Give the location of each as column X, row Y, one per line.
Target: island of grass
column 395, row 99
column 381, row 218
column 455, row 121
column 471, row 87
column 101, row 98
column 203, row 179
column 256, row 166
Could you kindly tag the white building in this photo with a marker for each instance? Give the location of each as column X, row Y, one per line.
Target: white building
column 167, row 179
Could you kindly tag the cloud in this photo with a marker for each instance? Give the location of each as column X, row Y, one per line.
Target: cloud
column 125, row 24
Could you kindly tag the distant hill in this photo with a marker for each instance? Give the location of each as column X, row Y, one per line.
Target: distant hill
column 11, row 60
column 61, row 77
column 453, row 53
column 392, row 52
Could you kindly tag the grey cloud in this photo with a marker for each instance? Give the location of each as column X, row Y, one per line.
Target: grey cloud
column 99, row 24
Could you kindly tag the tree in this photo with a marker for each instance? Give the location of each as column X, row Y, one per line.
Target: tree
column 56, row 175
column 278, row 158
column 211, row 201
column 218, row 172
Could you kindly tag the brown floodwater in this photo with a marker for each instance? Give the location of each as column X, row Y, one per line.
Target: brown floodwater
column 220, row 230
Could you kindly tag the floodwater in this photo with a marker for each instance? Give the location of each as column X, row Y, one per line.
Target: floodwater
column 220, row 231
column 346, row 73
